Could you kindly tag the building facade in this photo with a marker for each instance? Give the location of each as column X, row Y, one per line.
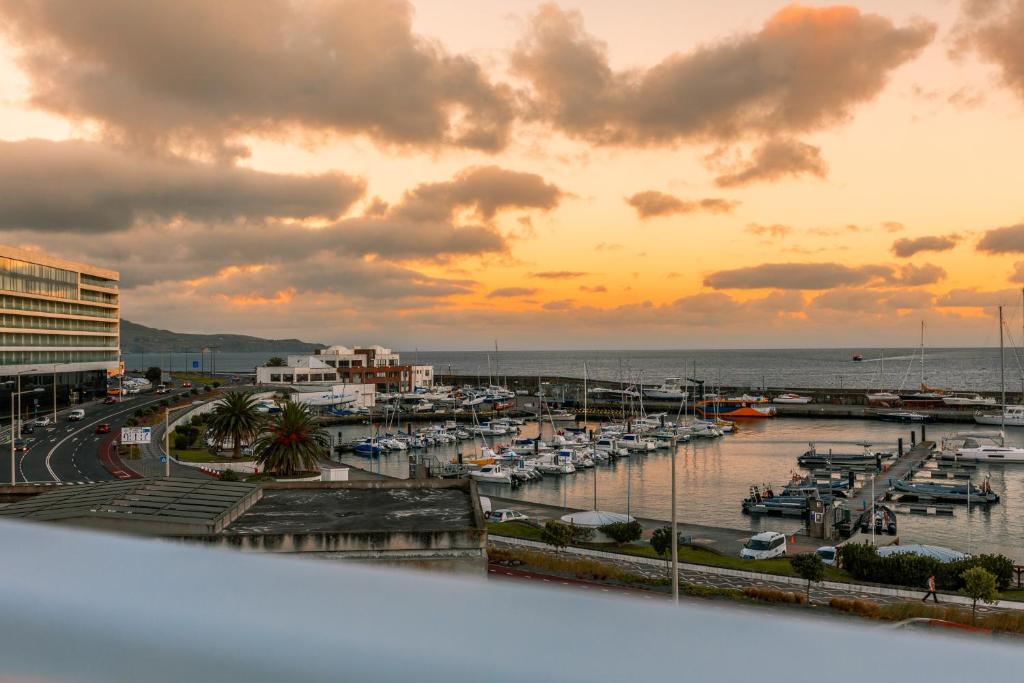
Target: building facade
column 374, row 365
column 59, row 324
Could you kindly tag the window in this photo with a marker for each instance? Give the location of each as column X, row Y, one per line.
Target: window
column 275, row 377
column 778, row 541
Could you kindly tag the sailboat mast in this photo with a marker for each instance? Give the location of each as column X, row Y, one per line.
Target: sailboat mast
column 585, row 407
column 922, row 356
column 1002, row 374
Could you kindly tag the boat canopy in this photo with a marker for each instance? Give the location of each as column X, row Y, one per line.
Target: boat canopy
column 596, row 518
column 939, row 553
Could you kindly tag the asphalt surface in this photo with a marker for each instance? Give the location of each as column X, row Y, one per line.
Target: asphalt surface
column 69, row 451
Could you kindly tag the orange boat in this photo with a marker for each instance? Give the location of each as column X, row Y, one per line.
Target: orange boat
column 732, row 408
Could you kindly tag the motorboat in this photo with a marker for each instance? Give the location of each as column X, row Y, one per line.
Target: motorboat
column 902, row 416
column 882, row 397
column 951, row 493
column 857, row 357
column 554, row 463
column 701, row 429
column 561, row 416
column 492, row 474
column 968, row 400
column 980, row 447
column 609, row 446
column 1011, row 416
column 790, row 398
column 368, row 446
column 884, row 520
column 671, row 390
column 815, row 458
column 490, row 429
column 634, row 442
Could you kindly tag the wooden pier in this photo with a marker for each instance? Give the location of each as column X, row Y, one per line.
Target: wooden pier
column 903, row 467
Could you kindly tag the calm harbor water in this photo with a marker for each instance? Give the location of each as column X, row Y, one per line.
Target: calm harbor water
column 959, row 369
column 715, row 475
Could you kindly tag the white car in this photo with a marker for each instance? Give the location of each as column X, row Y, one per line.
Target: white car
column 76, row 415
column 764, row 546
column 499, row 516
column 828, row 554
column 43, row 421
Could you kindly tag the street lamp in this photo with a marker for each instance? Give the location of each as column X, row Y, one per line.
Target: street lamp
column 14, row 396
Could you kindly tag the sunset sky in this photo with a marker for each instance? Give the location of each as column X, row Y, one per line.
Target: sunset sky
column 584, row 174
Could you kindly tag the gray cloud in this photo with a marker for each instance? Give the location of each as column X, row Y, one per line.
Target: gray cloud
column 975, row 298
column 191, row 72
column 76, row 185
column 651, row 203
column 907, row 247
column 1006, row 240
column 806, row 68
column 1018, row 272
column 817, row 276
column 558, row 274
column 777, row 159
column 596, row 289
column 485, row 189
column 992, row 29
column 871, row 300
column 511, row 292
column 776, row 230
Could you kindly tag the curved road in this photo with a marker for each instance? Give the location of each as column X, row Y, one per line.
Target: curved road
column 69, row 451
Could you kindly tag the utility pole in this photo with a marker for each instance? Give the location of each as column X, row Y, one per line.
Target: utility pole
column 167, row 441
column 675, row 532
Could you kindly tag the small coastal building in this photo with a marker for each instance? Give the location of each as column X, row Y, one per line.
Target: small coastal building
column 376, row 366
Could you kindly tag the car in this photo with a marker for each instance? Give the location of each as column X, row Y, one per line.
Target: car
column 76, row 415
column 109, row 399
column 186, row 385
column 43, row 421
column 103, row 428
column 28, row 428
column 506, row 515
column 20, row 445
column 764, row 546
column 828, row 555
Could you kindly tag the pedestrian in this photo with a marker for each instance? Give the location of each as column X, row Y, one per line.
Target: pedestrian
column 931, row 590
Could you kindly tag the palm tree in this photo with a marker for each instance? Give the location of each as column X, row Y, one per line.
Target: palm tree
column 235, row 417
column 292, row 442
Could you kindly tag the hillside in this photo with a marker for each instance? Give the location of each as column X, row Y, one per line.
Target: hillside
column 137, row 338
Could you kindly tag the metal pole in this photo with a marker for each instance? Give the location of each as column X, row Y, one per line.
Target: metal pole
column 871, row 520
column 18, row 395
column 13, row 475
column 55, row 394
column 167, row 441
column 968, row 513
column 675, row 532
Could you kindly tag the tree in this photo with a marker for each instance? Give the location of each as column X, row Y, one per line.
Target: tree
column 979, row 584
column 235, row 418
column 810, row 567
column 275, row 362
column 556, row 534
column 623, row 532
column 154, row 375
column 661, row 541
column 292, row 442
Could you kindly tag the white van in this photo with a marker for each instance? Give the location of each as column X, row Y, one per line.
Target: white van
column 485, row 506
column 764, row 546
column 76, row 415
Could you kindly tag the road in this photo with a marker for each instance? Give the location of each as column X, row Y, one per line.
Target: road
column 69, row 451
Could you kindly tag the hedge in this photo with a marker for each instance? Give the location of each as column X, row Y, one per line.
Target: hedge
column 906, row 569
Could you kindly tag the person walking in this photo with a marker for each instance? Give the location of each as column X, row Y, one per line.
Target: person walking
column 931, row 590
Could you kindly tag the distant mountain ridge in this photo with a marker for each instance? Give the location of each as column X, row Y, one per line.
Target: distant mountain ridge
column 136, row 338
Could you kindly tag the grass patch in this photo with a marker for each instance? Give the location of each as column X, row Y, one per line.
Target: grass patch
column 774, row 596
column 696, row 590
column 203, row 455
column 578, row 567
column 861, row 608
column 514, row 530
column 1002, row 622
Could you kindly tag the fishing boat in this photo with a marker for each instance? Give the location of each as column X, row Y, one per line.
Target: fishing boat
column 953, row 493
column 671, row 390
column 734, row 408
column 790, row 398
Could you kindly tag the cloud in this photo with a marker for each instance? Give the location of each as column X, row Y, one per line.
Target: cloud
column 975, row 298
column 559, row 305
column 511, row 292
column 816, row 276
column 1006, row 240
column 86, row 186
column 607, row 246
column 870, row 300
column 805, row 69
column 651, row 203
column 907, row 247
column 596, row 289
column 1018, row 272
column 776, row 230
column 558, row 274
column 776, row 159
column 187, row 73
column 992, row 29
column 794, row 276
column 485, row 189
column 893, row 226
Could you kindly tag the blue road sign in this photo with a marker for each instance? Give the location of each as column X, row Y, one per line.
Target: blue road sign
column 195, row 364
column 163, row 458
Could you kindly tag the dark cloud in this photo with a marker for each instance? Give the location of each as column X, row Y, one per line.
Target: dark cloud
column 192, row 72
column 84, row 186
column 484, row 189
column 776, row 230
column 806, row 68
column 907, row 247
column 510, row 292
column 1006, row 240
column 652, row 203
column 558, row 274
column 817, row 276
column 776, row 159
column 993, row 29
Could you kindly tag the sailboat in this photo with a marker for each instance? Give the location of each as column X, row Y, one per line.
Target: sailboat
column 882, row 396
column 1008, row 416
column 925, row 393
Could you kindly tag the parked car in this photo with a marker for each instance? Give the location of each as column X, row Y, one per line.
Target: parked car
column 103, row 428
column 505, row 515
column 43, row 421
column 764, row 546
column 828, row 555
column 110, row 399
column 76, row 415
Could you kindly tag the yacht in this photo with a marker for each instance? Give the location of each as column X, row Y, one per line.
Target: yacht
column 980, row 447
column 555, row 464
column 493, row 474
column 561, row 416
column 634, row 442
column 608, row 445
column 883, row 397
column 671, row 390
column 968, row 400
column 1011, row 416
column 790, row 398
column 490, row 429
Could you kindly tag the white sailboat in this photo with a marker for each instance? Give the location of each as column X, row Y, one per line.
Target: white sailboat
column 882, row 396
column 1008, row 416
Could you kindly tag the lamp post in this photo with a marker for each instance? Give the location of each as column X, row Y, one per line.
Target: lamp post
column 16, row 395
column 675, row 537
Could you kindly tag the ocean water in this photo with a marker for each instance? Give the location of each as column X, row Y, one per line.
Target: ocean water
column 715, row 475
column 958, row 369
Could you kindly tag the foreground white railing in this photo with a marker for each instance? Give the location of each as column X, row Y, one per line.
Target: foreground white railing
column 79, row 606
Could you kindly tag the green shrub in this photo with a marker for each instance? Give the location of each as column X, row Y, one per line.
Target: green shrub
column 809, row 566
column 623, row 532
column 181, row 443
column 774, row 595
column 229, row 475
column 950, row 574
column 865, row 564
column 556, row 534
